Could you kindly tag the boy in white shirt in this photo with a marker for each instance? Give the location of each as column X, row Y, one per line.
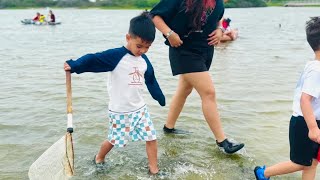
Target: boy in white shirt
column 304, row 132
column 130, row 69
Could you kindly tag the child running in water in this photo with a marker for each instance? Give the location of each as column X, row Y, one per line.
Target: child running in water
column 304, row 132
column 129, row 68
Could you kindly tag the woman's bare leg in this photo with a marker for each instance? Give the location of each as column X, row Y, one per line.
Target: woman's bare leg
column 202, row 82
column 178, row 101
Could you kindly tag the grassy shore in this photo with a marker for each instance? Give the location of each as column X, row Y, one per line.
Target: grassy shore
column 281, row 4
column 275, row 4
column 90, row 7
column 129, row 7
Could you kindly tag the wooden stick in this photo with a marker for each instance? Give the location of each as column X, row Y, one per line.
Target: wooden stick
column 69, row 101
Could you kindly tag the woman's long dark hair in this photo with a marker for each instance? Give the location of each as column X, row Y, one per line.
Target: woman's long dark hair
column 195, row 9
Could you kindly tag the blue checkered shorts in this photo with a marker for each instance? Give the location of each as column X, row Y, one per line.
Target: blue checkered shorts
column 132, row 126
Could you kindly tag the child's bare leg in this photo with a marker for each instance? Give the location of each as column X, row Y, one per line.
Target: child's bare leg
column 152, row 153
column 282, row 168
column 309, row 172
column 106, row 146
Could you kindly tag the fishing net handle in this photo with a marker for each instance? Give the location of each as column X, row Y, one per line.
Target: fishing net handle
column 69, row 163
column 69, row 102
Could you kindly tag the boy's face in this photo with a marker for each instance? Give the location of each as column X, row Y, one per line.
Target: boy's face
column 136, row 45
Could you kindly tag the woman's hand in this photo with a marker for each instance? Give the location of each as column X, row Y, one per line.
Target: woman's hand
column 175, row 40
column 214, row 37
column 66, row 67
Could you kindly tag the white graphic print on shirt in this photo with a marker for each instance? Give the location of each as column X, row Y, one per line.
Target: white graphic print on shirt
column 126, row 83
column 136, row 77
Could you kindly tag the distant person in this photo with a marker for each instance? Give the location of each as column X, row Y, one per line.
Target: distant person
column 226, row 23
column 304, row 132
column 130, row 69
column 228, row 33
column 37, row 17
column 52, row 17
column 42, row 18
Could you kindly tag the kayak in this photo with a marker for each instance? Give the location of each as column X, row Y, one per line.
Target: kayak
column 27, row 21
column 54, row 23
column 30, row 21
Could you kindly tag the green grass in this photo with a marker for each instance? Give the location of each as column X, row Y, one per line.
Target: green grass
column 275, row 4
column 128, row 7
column 312, row 5
column 270, row 4
column 279, row 4
column 87, row 7
column 17, row 8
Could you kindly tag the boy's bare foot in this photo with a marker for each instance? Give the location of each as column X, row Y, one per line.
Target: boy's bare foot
column 153, row 170
column 99, row 165
column 160, row 174
column 98, row 160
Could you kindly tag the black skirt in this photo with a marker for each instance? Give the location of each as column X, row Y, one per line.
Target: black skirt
column 195, row 55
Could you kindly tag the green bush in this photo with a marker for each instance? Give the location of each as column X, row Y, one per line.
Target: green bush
column 245, row 3
column 113, row 3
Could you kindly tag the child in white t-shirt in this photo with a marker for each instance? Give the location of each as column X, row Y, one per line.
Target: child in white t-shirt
column 130, row 69
column 304, row 132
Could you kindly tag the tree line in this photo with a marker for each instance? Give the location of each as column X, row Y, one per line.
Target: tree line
column 110, row 3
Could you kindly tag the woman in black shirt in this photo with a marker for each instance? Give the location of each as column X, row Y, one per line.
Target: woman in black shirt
column 191, row 30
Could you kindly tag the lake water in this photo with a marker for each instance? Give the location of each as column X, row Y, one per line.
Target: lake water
column 254, row 78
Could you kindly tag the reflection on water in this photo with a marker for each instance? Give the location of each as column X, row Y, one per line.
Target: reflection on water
column 254, row 78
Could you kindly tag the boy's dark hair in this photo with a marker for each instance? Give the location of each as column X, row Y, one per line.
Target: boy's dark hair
column 313, row 33
column 143, row 27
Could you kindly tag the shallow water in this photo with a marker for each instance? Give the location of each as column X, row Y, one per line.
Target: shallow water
column 254, row 78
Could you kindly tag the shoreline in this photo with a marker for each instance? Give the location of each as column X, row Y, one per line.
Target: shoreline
column 291, row 5
column 148, row 8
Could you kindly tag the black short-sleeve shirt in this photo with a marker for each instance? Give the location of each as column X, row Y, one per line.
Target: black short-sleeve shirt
column 173, row 12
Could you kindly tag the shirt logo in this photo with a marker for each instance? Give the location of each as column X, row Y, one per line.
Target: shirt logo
column 136, row 77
